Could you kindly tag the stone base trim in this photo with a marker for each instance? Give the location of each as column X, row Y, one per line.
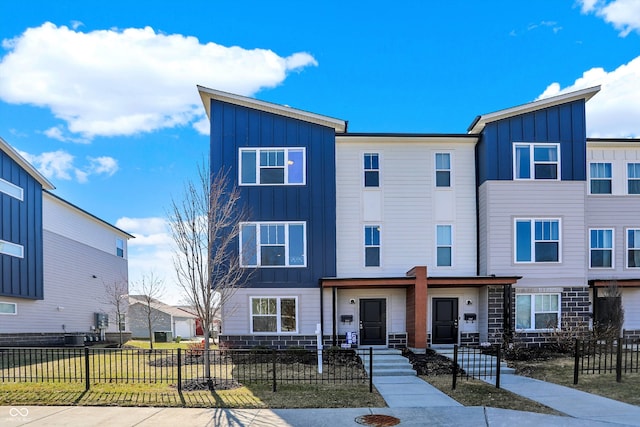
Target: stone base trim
column 469, row 338
column 308, row 342
column 54, row 339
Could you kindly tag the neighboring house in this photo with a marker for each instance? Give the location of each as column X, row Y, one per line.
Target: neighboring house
column 55, row 260
column 426, row 239
column 164, row 318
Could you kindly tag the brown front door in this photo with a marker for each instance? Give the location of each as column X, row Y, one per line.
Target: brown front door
column 445, row 321
column 373, row 321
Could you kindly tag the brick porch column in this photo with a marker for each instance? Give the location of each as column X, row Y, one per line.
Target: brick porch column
column 417, row 309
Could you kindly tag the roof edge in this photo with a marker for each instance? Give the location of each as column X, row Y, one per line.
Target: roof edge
column 15, row 156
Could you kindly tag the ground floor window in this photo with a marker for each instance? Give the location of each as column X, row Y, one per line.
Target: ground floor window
column 8, row 308
column 274, row 315
column 537, row 311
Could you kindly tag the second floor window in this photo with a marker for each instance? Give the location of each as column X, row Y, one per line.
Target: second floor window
column 536, row 161
column 11, row 249
column 443, row 170
column 600, row 176
column 601, row 248
column 120, row 248
column 273, row 244
column 272, row 166
column 11, row 190
column 537, row 240
column 371, row 170
column 633, row 248
column 444, row 247
column 372, row 246
column 633, row 177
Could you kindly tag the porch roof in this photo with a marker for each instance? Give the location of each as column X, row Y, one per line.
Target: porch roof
column 622, row 283
column 407, row 281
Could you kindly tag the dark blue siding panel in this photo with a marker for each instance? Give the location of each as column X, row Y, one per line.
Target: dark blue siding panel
column 21, row 223
column 233, row 127
column 564, row 124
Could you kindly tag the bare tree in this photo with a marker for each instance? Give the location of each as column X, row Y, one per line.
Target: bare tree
column 205, row 227
column 116, row 297
column 150, row 289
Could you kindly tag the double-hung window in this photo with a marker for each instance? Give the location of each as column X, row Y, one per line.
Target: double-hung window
column 11, row 190
column 601, row 248
column 372, row 246
column 633, row 178
column 274, row 315
column 443, row 170
column 444, row 246
column 120, row 248
column 371, row 170
column 272, row 166
column 11, row 249
column 537, row 311
column 600, row 176
column 537, row 240
column 633, row 248
column 536, row 161
column 273, row 244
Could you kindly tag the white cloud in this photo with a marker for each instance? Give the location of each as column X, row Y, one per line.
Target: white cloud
column 123, row 82
column 615, row 110
column 61, row 165
column 624, row 15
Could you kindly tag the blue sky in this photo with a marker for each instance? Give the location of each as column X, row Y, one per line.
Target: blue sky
column 101, row 96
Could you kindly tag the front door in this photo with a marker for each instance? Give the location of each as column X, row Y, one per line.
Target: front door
column 373, row 321
column 445, row 321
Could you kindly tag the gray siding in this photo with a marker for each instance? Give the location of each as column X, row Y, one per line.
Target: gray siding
column 138, row 322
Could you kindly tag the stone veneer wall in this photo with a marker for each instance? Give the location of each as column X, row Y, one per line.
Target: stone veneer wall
column 496, row 314
column 52, row 339
column 632, row 333
column 472, row 338
column 281, row 342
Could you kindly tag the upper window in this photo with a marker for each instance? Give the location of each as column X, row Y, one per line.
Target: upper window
column 443, row 170
column 601, row 248
column 11, row 249
column 537, row 311
column 633, row 175
column 372, row 246
column 444, row 247
column 633, row 248
column 600, row 176
column 273, row 244
column 11, row 189
column 536, row 161
column 371, row 170
column 120, row 248
column 272, row 166
column 537, row 240
column 8, row 308
column 273, row 315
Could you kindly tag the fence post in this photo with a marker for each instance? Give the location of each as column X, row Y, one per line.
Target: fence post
column 274, row 370
column 498, row 368
column 619, row 360
column 455, row 366
column 576, row 361
column 179, row 370
column 87, row 383
column 370, row 369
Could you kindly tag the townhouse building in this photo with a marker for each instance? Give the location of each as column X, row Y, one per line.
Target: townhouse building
column 416, row 240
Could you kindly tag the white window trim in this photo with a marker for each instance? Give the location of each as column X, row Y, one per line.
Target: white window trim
column 532, row 312
column 444, row 246
column 15, row 310
column 601, row 179
column 364, row 170
column 286, row 169
column 11, row 190
column 435, row 171
column 532, row 163
column 278, row 314
column 286, row 244
column 613, row 245
column 627, row 248
column 3, row 251
column 533, row 241
column 365, row 246
column 629, row 179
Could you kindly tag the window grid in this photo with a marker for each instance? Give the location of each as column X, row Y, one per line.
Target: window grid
column 536, row 161
column 372, row 246
column 443, row 170
column 444, row 246
column 537, row 240
column 537, row 311
column 371, row 170
column 600, row 176
column 601, row 248
column 274, row 315
column 272, row 166
column 633, row 248
column 273, row 244
column 633, row 178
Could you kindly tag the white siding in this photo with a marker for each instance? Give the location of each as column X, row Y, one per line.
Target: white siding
column 407, row 205
column 631, row 306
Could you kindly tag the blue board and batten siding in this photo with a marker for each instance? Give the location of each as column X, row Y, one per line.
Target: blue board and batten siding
column 234, row 127
column 21, row 223
column 564, row 124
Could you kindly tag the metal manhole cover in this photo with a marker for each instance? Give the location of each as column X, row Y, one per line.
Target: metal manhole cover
column 375, row 420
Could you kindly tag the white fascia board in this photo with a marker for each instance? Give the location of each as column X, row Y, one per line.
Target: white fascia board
column 24, row 164
column 480, row 121
column 408, row 138
column 613, row 143
column 207, row 94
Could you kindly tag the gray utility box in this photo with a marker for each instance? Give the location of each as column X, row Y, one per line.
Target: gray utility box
column 162, row 336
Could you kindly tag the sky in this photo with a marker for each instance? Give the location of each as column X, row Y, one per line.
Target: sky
column 101, row 96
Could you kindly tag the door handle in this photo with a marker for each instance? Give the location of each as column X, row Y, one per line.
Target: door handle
column 360, row 323
column 455, row 323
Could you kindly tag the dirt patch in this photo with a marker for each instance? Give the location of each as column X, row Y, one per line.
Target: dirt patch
column 198, row 384
column 429, row 363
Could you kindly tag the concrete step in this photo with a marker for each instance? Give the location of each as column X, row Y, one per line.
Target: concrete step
column 388, row 362
column 477, row 365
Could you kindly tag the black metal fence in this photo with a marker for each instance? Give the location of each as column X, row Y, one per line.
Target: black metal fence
column 481, row 362
column 183, row 368
column 593, row 356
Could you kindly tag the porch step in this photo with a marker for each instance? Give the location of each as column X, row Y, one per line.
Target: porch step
column 388, row 362
column 477, row 365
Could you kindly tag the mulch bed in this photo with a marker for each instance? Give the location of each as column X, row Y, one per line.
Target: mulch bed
column 430, row 363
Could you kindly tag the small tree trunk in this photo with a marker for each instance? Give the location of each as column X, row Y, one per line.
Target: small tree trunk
column 206, row 359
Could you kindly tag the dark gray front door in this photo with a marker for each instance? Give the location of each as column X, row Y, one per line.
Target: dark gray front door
column 373, row 321
column 445, row 321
